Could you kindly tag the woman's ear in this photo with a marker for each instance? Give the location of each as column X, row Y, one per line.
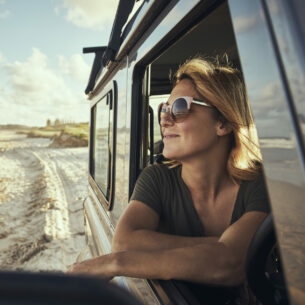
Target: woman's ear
column 224, row 128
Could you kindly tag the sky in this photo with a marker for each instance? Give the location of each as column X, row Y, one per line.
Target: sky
column 43, row 73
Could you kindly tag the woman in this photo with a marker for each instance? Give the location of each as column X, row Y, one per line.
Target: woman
column 193, row 217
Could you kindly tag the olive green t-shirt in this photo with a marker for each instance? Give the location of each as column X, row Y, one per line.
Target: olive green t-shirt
column 163, row 189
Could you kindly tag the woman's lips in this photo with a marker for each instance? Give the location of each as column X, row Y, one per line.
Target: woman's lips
column 170, row 136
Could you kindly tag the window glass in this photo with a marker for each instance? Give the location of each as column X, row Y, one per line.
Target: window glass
column 289, row 30
column 154, row 102
column 101, row 151
column 272, row 70
column 299, row 9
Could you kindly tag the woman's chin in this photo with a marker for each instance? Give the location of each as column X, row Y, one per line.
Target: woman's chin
column 169, row 154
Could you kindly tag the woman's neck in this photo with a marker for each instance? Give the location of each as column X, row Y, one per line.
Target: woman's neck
column 205, row 178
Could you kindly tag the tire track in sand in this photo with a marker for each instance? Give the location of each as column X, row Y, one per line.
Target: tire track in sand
column 42, row 191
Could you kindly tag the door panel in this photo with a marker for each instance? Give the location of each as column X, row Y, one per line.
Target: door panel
column 274, row 107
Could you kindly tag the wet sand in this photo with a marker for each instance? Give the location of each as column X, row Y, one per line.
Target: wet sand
column 42, row 190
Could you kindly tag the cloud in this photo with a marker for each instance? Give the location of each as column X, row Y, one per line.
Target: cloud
column 27, row 76
column 268, row 109
column 244, row 24
column 270, row 94
column 90, row 13
column 35, row 92
column 275, row 8
column 75, row 67
column 5, row 13
column 269, row 91
column 2, row 58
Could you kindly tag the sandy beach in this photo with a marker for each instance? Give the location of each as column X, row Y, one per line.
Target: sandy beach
column 42, row 190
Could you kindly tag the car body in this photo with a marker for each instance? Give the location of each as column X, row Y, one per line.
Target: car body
column 130, row 77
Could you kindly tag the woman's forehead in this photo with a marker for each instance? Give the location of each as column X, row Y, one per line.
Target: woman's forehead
column 184, row 88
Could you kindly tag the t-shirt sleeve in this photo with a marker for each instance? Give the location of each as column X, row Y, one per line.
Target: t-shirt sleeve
column 147, row 188
column 256, row 196
column 253, row 196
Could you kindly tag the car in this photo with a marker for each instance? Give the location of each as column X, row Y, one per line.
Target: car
column 265, row 39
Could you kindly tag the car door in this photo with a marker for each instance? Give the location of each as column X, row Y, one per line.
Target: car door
column 270, row 39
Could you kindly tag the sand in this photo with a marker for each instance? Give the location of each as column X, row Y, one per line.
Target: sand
column 42, row 190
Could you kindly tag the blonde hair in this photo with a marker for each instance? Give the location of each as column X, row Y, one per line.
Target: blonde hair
column 223, row 87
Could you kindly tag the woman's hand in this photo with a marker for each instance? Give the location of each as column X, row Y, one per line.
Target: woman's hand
column 102, row 266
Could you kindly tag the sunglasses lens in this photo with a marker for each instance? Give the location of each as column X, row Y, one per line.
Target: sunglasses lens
column 179, row 108
column 178, row 111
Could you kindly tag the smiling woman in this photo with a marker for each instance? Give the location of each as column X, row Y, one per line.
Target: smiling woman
column 220, row 84
column 206, row 208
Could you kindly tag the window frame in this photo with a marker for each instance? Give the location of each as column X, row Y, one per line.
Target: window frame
column 110, row 93
column 177, row 292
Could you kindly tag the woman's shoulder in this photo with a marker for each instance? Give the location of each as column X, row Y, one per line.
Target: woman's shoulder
column 252, row 196
column 255, row 188
column 257, row 182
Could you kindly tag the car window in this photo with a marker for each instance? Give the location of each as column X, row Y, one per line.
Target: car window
column 102, row 146
column 214, row 27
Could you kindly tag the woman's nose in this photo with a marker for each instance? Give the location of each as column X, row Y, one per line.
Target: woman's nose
column 165, row 119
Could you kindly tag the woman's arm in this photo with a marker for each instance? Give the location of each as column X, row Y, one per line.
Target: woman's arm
column 218, row 262
column 136, row 230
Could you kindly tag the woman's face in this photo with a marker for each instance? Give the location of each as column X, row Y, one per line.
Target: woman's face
column 197, row 135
